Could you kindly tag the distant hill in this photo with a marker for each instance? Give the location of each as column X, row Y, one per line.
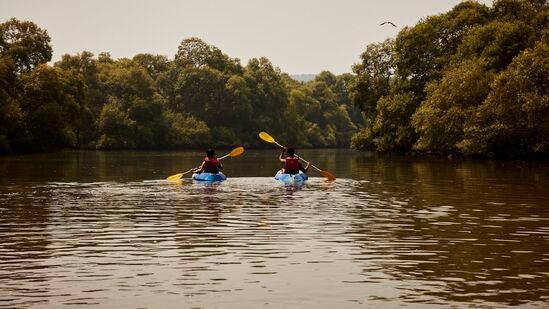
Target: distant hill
column 303, row 77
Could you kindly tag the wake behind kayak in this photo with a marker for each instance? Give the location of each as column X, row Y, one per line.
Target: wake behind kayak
column 209, row 177
column 298, row 178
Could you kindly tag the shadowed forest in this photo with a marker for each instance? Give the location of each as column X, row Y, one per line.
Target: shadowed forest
column 472, row 81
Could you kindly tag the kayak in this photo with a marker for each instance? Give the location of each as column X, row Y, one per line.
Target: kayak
column 209, row 177
column 289, row 178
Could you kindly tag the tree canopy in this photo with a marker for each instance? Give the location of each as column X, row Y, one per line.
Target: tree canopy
column 202, row 97
column 471, row 81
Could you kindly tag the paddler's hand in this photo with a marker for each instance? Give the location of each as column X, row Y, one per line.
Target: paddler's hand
column 282, row 155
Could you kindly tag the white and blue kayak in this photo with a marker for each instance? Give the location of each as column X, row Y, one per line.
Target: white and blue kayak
column 289, row 178
column 209, row 177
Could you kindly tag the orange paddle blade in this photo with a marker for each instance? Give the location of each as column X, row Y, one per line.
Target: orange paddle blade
column 236, row 152
column 329, row 176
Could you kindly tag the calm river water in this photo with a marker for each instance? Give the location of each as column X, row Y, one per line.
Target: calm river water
column 104, row 230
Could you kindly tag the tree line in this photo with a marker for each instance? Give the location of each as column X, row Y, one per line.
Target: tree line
column 201, row 97
column 471, row 81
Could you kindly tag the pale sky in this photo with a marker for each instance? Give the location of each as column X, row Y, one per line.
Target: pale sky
column 299, row 36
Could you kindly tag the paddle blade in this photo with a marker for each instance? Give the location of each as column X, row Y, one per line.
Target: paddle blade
column 266, row 137
column 179, row 176
column 175, row 177
column 329, row 176
column 236, row 152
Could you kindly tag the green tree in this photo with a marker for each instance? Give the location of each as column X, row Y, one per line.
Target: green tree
column 237, row 110
column 78, row 115
column 268, row 96
column 392, row 129
column 195, row 53
column 513, row 119
column 497, row 42
column 49, row 103
column 423, row 51
column 513, row 10
column 296, row 131
column 429, row 92
column 186, row 131
column 153, row 64
column 343, row 98
column 10, row 113
column 92, row 100
column 25, row 43
column 373, row 75
column 130, row 85
column 125, row 80
column 200, row 92
column 116, row 127
column 319, row 113
column 450, row 104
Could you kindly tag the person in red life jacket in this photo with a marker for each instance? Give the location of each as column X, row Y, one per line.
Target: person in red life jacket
column 210, row 163
column 291, row 162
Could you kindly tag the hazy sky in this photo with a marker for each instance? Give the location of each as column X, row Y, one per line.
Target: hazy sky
column 299, row 36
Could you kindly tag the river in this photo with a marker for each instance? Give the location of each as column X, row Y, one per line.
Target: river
column 105, row 230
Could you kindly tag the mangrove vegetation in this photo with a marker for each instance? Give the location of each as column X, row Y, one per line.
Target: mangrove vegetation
column 471, row 81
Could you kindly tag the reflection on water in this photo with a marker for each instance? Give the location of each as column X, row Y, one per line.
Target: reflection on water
column 101, row 229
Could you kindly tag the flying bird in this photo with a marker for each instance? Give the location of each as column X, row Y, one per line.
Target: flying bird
column 388, row 22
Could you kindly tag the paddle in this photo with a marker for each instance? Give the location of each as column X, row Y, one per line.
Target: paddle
column 269, row 139
column 235, row 152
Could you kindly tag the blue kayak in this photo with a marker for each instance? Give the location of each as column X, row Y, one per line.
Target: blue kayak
column 209, row 177
column 289, row 178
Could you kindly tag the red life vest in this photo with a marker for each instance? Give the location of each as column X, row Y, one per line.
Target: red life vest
column 211, row 165
column 292, row 165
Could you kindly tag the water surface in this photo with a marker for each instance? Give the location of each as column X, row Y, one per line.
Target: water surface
column 104, row 230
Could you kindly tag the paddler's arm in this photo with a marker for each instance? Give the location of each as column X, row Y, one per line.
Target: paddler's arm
column 199, row 169
column 282, row 157
column 220, row 166
column 306, row 168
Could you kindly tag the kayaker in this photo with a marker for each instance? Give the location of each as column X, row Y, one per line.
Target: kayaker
column 210, row 163
column 291, row 162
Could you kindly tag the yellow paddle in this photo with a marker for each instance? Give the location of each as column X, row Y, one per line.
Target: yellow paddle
column 235, row 152
column 269, row 139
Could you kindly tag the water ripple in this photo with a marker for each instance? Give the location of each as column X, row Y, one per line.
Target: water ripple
column 340, row 244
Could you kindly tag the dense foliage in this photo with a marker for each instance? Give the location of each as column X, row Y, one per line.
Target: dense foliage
column 471, row 81
column 200, row 98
